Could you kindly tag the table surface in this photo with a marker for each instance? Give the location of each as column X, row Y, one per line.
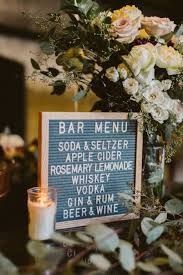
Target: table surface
column 14, row 224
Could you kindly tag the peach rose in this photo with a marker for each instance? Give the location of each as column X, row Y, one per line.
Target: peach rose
column 125, row 30
column 157, row 26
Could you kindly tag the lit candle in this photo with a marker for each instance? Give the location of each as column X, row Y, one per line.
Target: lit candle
column 42, row 210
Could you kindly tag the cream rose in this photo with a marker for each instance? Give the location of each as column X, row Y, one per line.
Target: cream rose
column 169, row 59
column 142, row 60
column 126, row 23
column 130, row 12
column 157, row 26
column 125, row 30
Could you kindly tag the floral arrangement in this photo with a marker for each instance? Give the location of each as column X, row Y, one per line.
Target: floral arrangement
column 18, row 160
column 133, row 63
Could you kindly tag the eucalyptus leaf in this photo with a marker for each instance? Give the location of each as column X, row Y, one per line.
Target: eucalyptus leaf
column 126, row 256
column 146, row 225
column 125, row 196
column 174, row 206
column 161, row 218
column 156, row 176
column 148, row 267
column 155, row 233
column 37, row 249
column 178, row 268
column 82, row 236
column 171, row 254
column 7, row 267
column 100, row 261
column 79, row 95
column 105, row 238
column 60, row 238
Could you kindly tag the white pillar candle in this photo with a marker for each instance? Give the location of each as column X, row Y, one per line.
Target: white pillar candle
column 41, row 219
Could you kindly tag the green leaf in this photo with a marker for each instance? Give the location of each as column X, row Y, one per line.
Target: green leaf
column 37, row 249
column 100, row 261
column 146, row 225
column 148, row 267
column 155, row 233
column 174, row 206
column 79, row 95
column 126, row 256
column 171, row 254
column 105, row 238
column 35, row 65
column 161, row 218
column 60, row 238
column 7, row 267
column 47, row 47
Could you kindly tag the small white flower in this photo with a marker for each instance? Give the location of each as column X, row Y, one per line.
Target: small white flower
column 178, row 43
column 131, row 86
column 177, row 110
column 146, row 107
column 112, row 74
column 168, row 103
column 122, row 71
column 159, row 114
column 166, row 84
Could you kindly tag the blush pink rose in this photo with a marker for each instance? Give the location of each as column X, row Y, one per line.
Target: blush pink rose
column 125, row 30
column 157, row 26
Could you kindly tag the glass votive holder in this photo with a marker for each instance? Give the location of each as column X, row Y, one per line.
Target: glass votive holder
column 42, row 210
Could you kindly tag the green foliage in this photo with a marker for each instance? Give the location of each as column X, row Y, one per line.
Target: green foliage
column 105, row 238
column 174, row 206
column 7, row 267
column 126, row 256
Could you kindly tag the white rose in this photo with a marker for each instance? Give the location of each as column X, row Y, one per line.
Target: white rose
column 169, row 59
column 112, row 74
column 154, row 94
column 122, row 71
column 166, row 84
column 131, row 86
column 177, row 110
column 157, row 26
column 142, row 60
column 159, row 114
